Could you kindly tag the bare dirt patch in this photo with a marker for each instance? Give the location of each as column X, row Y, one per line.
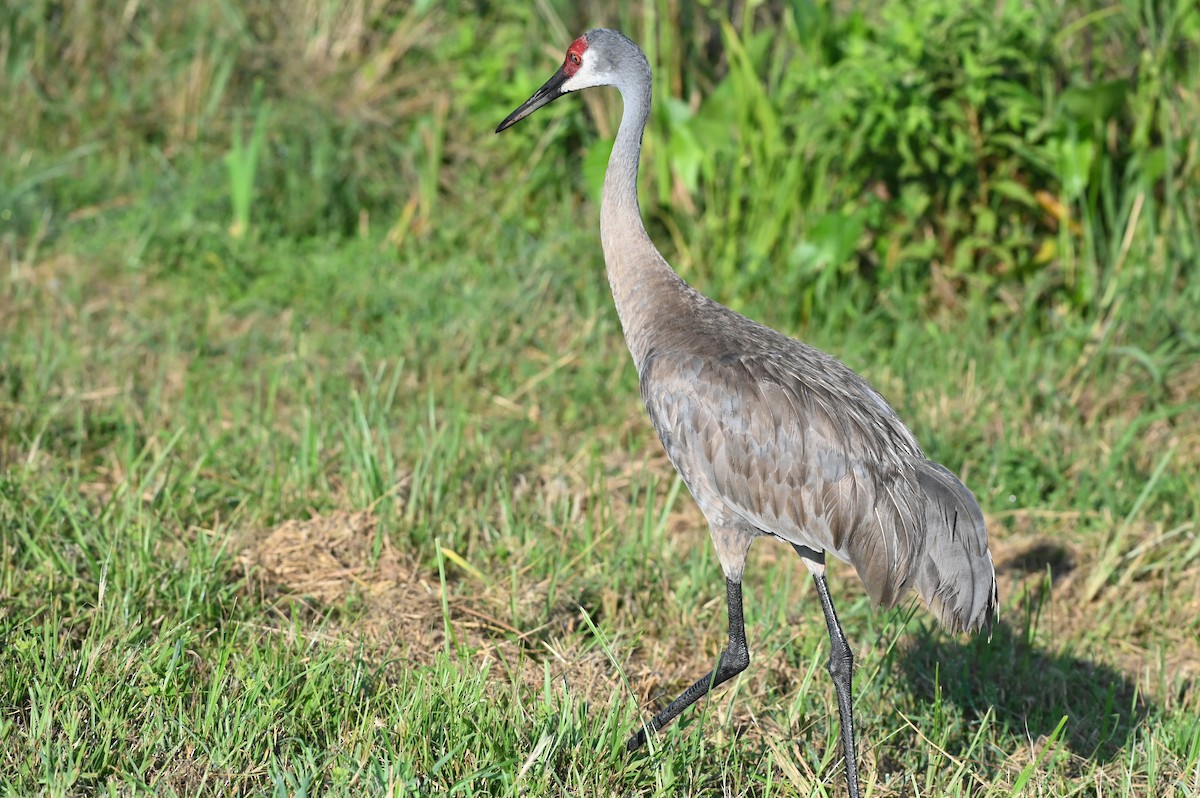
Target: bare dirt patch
column 338, row 573
column 321, row 564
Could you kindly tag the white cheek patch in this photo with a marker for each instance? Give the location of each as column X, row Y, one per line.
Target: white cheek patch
column 584, row 78
column 571, row 83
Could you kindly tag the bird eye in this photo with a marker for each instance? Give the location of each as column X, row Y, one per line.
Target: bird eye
column 575, row 59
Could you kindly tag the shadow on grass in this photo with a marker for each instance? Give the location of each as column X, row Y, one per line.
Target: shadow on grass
column 1031, row 689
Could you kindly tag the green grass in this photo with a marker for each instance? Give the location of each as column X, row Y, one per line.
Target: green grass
column 322, row 466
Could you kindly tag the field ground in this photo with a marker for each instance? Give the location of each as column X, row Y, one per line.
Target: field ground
column 322, row 465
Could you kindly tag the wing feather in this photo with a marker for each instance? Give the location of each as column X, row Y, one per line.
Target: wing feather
column 772, row 435
column 753, row 440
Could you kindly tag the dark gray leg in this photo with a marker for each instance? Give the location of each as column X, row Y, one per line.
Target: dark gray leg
column 734, row 659
column 841, row 668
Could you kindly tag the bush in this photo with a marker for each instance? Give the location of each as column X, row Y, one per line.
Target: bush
column 940, row 146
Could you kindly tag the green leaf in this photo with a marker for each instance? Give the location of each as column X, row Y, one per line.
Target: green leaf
column 1011, row 189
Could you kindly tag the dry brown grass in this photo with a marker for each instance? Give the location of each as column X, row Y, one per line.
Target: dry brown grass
column 339, row 575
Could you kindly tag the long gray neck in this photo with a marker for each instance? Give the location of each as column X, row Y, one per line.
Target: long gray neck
column 644, row 286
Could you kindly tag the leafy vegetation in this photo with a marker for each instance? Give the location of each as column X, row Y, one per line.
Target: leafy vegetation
column 322, row 468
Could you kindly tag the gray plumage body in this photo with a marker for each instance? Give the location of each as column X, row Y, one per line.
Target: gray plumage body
column 771, row 436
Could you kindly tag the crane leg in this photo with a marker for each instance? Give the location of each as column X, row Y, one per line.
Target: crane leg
column 734, row 659
column 841, row 668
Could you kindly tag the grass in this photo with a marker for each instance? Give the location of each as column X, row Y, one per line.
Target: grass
column 322, row 467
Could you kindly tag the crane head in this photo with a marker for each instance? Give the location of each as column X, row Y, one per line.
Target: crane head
column 556, row 86
column 600, row 57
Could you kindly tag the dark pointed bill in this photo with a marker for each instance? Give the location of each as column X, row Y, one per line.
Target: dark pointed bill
column 550, row 91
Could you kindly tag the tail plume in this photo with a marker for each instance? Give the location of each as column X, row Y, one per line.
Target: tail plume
column 956, row 578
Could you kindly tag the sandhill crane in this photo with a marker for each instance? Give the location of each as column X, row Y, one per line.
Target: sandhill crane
column 771, row 436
